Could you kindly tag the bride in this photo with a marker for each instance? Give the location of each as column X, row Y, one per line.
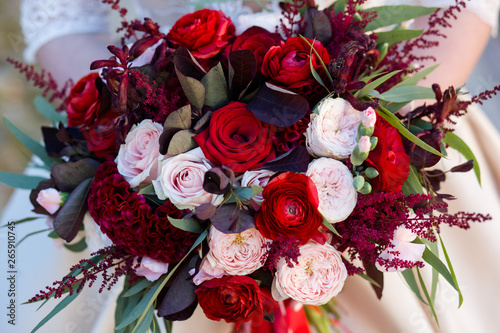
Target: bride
column 55, row 32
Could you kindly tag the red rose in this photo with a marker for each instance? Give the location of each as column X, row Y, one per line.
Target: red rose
column 256, row 39
column 83, row 102
column 101, row 136
column 290, row 208
column 288, row 66
column 237, row 139
column 234, row 298
column 204, row 33
column 389, row 158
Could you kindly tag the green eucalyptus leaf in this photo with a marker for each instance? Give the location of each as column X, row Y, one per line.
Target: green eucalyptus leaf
column 406, row 94
column 191, row 225
column 31, row 234
column 452, row 272
column 179, row 119
column 137, row 287
column 395, row 36
column 412, row 184
column 455, row 142
column 437, row 264
column 20, row 180
column 144, row 321
column 216, row 92
column 47, row 110
column 374, row 84
column 427, row 296
column 389, row 15
column 330, row 227
column 181, row 142
column 414, row 79
column 193, row 89
column 246, row 193
column 409, row 277
column 78, row 246
column 61, row 305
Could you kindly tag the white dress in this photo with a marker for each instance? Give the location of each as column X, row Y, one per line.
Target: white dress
column 474, row 252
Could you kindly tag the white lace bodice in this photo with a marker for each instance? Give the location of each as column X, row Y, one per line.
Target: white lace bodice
column 44, row 20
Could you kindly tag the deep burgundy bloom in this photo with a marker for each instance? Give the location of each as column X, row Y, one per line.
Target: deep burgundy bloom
column 389, row 158
column 126, row 218
column 101, row 136
column 290, row 137
column 83, row 102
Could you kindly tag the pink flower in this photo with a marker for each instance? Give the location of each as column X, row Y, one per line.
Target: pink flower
column 334, row 181
column 50, row 199
column 181, row 180
column 364, row 144
column 259, row 178
column 139, row 158
column 332, row 132
column 402, row 248
column 369, row 117
column 231, row 254
column 151, row 269
column 319, row 275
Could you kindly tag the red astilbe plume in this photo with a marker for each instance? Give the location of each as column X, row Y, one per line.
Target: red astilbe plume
column 485, row 95
column 126, row 25
column 291, row 15
column 287, row 249
column 110, row 262
column 127, row 219
column 44, row 81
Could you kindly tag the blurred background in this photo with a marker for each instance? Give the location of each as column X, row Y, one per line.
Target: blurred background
column 16, row 94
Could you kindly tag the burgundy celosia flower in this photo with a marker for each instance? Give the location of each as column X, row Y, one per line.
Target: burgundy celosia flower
column 290, row 137
column 126, row 218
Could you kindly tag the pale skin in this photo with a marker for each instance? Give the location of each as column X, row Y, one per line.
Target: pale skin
column 69, row 57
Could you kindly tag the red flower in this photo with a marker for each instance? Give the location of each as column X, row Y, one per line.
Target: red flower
column 233, row 298
column 256, row 39
column 126, row 218
column 288, row 66
column 83, row 102
column 389, row 158
column 101, row 136
column 237, row 139
column 204, row 33
column 290, row 208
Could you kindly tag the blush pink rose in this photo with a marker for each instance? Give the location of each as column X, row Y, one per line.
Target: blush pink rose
column 334, row 181
column 139, row 159
column 151, row 269
column 181, row 180
column 332, row 132
column 259, row 178
column 319, row 275
column 50, row 199
column 232, row 254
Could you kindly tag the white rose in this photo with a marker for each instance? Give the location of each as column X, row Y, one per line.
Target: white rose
column 259, row 178
column 334, row 182
column 139, row 158
column 181, row 180
column 319, row 275
column 332, row 132
column 401, row 244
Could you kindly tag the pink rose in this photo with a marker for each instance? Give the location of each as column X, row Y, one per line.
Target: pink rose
column 151, row 269
column 401, row 248
column 232, row 254
column 259, row 178
column 181, row 180
column 369, row 118
column 364, row 144
column 139, row 159
column 319, row 275
column 50, row 199
column 334, row 181
column 333, row 131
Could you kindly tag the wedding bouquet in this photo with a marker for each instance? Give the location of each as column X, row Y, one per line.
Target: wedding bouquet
column 239, row 170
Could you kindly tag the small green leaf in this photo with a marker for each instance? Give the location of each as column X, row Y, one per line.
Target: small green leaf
column 389, row 15
column 61, row 305
column 31, row 234
column 395, row 36
column 374, row 84
column 144, row 321
column 47, row 110
column 137, row 287
column 427, row 296
column 458, row 144
column 181, row 142
column 193, row 89
column 245, row 193
column 412, row 283
column 78, row 246
column 330, row 227
column 190, row 225
column 26, row 219
column 318, row 57
column 414, row 79
column 180, row 118
column 216, row 92
column 412, row 184
column 256, row 189
column 452, row 272
column 19, row 180
column 405, row 94
column 32, row 145
column 369, row 279
column 437, row 264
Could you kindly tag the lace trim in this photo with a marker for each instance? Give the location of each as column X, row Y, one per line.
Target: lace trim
column 45, row 20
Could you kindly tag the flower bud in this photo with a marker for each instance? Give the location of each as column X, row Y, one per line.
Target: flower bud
column 358, row 157
column 371, row 172
column 364, row 144
column 151, row 269
column 358, row 183
column 50, row 199
column 366, row 189
column 374, row 141
column 369, row 118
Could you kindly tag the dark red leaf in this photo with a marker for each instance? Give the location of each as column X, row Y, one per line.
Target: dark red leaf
column 242, row 70
column 229, row 219
column 295, row 160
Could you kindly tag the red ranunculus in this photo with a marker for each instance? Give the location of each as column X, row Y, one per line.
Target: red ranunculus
column 83, row 102
column 288, row 66
column 101, row 136
column 234, row 298
column 204, row 33
column 256, row 39
column 389, row 158
column 237, row 139
column 290, row 208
